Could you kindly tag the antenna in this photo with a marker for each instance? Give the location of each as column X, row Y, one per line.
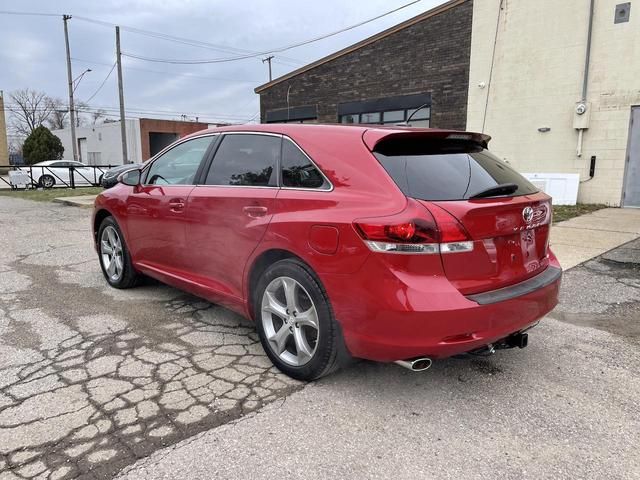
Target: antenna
column 406, row 122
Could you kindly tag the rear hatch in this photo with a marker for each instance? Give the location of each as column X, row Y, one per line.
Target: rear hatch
column 503, row 214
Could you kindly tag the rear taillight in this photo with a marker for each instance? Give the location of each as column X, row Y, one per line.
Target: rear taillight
column 416, row 230
column 450, row 228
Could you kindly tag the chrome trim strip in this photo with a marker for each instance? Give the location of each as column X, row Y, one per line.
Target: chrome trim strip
column 283, row 136
column 251, row 132
column 148, row 163
column 237, row 186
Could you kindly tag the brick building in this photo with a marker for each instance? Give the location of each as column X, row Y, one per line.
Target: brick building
column 420, row 63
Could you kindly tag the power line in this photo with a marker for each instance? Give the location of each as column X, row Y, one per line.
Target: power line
column 206, row 118
column 32, row 14
column 140, row 110
column 172, row 38
column 243, row 54
column 285, row 64
column 267, row 52
column 200, row 118
column 102, row 84
column 165, row 72
column 149, row 33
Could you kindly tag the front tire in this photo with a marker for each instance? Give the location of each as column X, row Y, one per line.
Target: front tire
column 295, row 322
column 114, row 257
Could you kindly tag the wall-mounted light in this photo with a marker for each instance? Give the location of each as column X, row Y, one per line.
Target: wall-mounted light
column 544, row 129
column 482, row 85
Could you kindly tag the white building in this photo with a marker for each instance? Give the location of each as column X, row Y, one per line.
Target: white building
column 526, row 81
column 101, row 144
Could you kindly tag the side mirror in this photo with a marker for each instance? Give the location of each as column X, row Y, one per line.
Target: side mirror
column 131, row 177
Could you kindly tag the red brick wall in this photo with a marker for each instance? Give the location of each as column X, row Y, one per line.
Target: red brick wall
column 148, row 125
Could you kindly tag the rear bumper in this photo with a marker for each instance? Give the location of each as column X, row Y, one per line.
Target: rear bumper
column 549, row 276
column 401, row 316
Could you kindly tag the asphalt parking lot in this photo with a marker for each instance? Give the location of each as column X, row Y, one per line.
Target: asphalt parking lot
column 152, row 383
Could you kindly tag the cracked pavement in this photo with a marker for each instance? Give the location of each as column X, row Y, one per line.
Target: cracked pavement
column 93, row 378
column 604, row 293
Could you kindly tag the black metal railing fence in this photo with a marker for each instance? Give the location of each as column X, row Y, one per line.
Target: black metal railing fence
column 47, row 176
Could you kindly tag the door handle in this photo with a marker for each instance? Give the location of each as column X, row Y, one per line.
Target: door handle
column 255, row 211
column 176, row 204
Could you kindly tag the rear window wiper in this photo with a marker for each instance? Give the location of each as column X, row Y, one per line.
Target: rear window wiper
column 502, row 189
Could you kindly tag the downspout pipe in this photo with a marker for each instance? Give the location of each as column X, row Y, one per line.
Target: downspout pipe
column 585, row 77
column 587, row 57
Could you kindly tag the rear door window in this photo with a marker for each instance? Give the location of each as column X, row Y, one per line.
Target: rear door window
column 298, row 171
column 447, row 170
column 246, row 160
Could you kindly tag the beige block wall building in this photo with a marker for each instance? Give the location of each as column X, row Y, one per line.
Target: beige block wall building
column 537, row 79
column 4, row 147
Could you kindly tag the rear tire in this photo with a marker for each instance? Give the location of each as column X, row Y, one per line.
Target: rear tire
column 47, row 181
column 114, row 257
column 295, row 322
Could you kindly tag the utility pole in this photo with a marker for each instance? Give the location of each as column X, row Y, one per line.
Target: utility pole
column 72, row 113
column 268, row 60
column 123, row 126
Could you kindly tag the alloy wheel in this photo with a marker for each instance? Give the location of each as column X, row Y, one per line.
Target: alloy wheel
column 290, row 321
column 47, row 181
column 111, row 253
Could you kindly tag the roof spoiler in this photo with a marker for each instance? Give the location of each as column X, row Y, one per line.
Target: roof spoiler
column 373, row 137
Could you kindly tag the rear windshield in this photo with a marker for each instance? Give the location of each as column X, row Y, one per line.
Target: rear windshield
column 447, row 170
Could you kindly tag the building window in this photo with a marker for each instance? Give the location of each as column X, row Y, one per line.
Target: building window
column 419, row 118
column 305, row 114
column 306, row 120
column 388, row 110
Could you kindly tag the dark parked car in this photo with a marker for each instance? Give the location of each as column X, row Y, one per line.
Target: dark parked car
column 110, row 177
column 390, row 244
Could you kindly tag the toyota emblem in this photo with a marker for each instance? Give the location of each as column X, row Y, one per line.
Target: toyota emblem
column 527, row 214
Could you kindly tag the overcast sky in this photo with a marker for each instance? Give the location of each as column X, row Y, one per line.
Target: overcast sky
column 32, row 51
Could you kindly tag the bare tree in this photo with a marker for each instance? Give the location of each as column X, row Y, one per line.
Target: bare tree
column 82, row 110
column 29, row 109
column 96, row 116
column 59, row 113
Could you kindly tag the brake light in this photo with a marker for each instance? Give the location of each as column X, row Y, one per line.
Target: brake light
column 415, row 230
column 411, row 231
column 404, row 231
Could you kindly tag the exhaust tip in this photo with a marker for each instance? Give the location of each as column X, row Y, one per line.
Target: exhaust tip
column 415, row 365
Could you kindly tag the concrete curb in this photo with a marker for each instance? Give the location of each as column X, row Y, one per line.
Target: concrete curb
column 84, row 201
column 588, row 236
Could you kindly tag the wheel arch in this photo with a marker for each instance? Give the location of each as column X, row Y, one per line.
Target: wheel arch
column 260, row 264
column 98, row 218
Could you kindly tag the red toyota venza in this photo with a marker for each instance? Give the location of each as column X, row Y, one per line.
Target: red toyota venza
column 390, row 244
